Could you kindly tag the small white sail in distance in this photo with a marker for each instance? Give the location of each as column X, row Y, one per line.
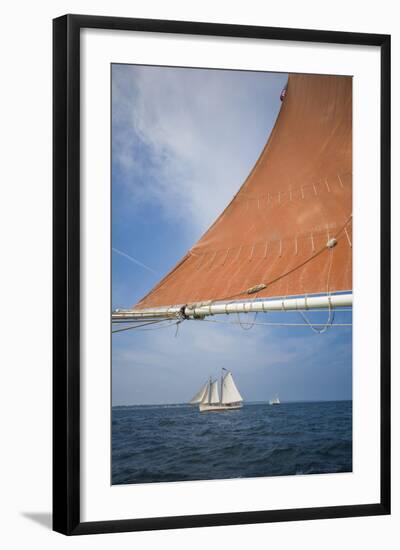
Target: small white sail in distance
column 229, row 391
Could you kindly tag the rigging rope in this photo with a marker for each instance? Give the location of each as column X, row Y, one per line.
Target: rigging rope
column 275, row 324
column 331, row 315
column 328, row 324
column 169, row 323
column 249, row 325
column 165, row 323
column 177, row 327
column 290, row 271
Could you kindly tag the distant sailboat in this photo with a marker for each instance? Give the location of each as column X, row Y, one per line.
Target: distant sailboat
column 208, row 397
column 274, row 401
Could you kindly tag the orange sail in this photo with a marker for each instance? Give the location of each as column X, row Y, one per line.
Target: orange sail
column 287, row 232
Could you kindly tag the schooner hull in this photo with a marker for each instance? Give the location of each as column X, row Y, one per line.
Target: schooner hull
column 219, row 407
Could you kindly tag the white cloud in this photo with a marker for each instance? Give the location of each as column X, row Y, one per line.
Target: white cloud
column 178, row 135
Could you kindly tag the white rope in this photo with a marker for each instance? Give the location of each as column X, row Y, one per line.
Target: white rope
column 331, row 311
column 325, row 326
column 249, row 325
column 274, row 324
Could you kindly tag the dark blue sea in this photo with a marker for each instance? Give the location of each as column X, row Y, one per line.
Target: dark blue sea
column 178, row 443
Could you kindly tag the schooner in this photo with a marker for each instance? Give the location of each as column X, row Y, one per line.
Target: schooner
column 275, row 401
column 284, row 242
column 209, row 399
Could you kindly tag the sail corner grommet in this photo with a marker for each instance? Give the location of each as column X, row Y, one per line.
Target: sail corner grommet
column 331, row 243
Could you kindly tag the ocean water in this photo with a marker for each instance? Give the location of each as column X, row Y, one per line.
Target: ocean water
column 178, row 443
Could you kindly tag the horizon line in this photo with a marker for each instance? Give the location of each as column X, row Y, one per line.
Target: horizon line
column 255, row 401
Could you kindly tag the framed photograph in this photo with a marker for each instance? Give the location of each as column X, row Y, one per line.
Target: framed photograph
column 221, row 274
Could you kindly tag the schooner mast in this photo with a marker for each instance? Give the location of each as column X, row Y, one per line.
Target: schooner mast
column 284, row 242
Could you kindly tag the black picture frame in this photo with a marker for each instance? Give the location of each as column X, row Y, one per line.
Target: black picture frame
column 66, row 273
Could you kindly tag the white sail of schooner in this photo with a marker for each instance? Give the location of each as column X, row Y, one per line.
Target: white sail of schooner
column 284, row 242
column 208, row 397
column 198, row 398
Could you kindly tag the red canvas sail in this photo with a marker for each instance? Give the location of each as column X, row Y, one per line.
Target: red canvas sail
column 272, row 238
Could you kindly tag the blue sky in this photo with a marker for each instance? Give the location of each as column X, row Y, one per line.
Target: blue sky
column 183, row 141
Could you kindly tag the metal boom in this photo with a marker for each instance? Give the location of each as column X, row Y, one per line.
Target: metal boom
column 203, row 309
